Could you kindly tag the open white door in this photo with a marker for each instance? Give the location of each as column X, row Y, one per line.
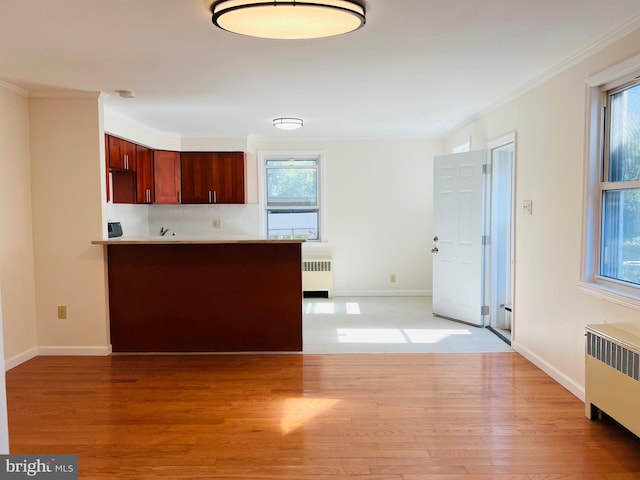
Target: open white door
column 458, row 228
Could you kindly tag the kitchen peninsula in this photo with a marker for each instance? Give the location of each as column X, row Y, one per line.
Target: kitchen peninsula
column 181, row 294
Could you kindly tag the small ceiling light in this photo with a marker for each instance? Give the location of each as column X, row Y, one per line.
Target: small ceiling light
column 126, row 93
column 288, row 19
column 287, row 123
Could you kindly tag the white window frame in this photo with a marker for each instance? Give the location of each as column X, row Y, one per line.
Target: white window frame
column 462, row 146
column 591, row 282
column 264, row 156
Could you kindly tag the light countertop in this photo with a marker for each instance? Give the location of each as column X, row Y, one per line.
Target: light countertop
column 182, row 240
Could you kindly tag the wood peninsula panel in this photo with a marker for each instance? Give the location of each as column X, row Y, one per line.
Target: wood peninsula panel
column 205, row 297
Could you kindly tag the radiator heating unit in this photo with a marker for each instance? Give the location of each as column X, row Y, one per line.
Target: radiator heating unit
column 612, row 383
column 317, row 276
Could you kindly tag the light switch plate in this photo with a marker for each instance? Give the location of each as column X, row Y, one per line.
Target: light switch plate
column 527, row 207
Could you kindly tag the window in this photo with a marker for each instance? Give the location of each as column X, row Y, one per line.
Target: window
column 620, row 237
column 611, row 267
column 463, row 146
column 292, row 196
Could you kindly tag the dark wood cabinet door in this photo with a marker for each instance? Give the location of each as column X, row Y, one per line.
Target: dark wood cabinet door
column 121, row 154
column 123, row 185
column 130, row 152
column 115, row 156
column 166, row 176
column 106, row 172
column 197, row 181
column 228, row 177
column 144, row 174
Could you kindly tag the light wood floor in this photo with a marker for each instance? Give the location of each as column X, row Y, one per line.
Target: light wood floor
column 318, row 417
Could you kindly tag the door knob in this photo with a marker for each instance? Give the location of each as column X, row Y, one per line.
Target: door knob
column 435, row 239
column 434, row 250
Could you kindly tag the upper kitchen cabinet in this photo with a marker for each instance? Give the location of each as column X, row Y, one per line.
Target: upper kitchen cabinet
column 213, row 177
column 144, row 173
column 121, row 153
column 166, row 176
column 228, row 177
column 197, row 177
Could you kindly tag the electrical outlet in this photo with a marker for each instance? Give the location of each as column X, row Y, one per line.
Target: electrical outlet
column 392, row 278
column 215, row 224
column 62, row 312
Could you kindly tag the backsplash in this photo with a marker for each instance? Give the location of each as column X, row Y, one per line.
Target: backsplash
column 186, row 220
column 133, row 218
column 197, row 220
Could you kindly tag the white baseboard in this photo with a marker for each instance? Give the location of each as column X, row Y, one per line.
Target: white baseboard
column 16, row 360
column 76, row 351
column 55, row 350
column 557, row 375
column 382, row 293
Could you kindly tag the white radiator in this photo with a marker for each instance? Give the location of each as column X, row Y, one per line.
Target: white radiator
column 317, row 275
column 612, row 383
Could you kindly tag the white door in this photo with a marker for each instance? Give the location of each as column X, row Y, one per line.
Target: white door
column 458, row 228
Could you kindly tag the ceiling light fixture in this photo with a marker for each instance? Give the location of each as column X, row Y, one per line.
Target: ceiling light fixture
column 126, row 93
column 288, row 19
column 287, row 123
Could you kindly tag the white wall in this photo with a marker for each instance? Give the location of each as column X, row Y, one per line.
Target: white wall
column 17, row 280
column 67, row 164
column 550, row 311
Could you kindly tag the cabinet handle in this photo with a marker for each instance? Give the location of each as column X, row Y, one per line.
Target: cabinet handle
column 148, row 195
column 179, row 196
column 126, row 162
column 210, row 196
column 215, row 199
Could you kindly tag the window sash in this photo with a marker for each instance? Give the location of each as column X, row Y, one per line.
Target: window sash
column 310, row 200
column 616, row 256
column 302, row 223
column 622, row 128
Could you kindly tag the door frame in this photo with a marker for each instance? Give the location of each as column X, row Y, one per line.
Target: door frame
column 490, row 277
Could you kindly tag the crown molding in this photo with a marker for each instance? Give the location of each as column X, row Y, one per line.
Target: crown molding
column 13, row 89
column 61, row 93
column 591, row 49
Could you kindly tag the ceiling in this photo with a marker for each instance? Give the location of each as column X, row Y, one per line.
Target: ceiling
column 417, row 69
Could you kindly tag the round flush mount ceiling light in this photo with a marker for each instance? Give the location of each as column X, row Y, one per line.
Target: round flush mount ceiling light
column 287, row 123
column 126, row 93
column 288, row 19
